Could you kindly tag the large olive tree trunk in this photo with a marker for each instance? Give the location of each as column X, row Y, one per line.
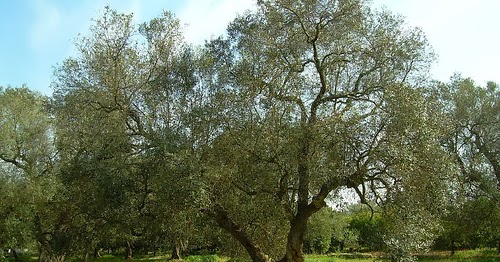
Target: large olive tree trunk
column 298, row 229
column 294, row 246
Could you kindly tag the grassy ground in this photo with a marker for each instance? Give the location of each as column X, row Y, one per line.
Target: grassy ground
column 481, row 255
column 341, row 258
column 484, row 255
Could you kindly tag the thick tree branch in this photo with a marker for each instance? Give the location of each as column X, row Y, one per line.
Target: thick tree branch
column 223, row 219
column 488, row 154
column 13, row 161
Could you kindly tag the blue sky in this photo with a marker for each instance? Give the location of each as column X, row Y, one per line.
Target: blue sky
column 36, row 35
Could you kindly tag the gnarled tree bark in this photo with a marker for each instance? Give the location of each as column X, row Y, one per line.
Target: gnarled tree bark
column 222, row 218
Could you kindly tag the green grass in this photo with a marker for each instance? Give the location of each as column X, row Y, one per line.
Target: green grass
column 344, row 257
column 193, row 258
column 480, row 255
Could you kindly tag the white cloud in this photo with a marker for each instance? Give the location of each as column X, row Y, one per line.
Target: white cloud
column 207, row 18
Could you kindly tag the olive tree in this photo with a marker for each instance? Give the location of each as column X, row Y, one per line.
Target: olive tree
column 471, row 115
column 120, row 130
column 307, row 98
column 27, row 165
column 473, row 119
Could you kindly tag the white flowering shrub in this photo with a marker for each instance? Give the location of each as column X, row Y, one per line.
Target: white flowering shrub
column 409, row 232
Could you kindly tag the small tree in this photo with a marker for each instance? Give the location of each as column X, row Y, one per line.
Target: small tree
column 320, row 231
column 370, row 226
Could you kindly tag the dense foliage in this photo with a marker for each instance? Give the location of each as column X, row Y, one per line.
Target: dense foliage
column 244, row 145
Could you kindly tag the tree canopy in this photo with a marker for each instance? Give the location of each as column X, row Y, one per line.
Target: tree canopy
column 324, row 95
column 150, row 143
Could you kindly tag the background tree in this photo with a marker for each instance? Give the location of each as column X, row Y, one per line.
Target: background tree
column 120, row 127
column 470, row 224
column 471, row 114
column 331, row 231
column 16, row 217
column 370, row 227
column 320, row 231
column 27, row 158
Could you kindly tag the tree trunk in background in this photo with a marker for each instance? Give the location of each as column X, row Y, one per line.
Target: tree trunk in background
column 452, row 245
column 176, row 251
column 85, row 256
column 86, row 252
column 16, row 256
column 128, row 252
